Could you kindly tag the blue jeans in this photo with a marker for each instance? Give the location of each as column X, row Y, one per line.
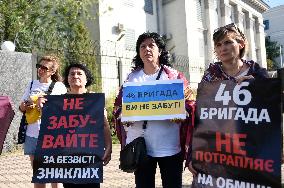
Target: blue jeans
column 30, row 145
column 171, row 168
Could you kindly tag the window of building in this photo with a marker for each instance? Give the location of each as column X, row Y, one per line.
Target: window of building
column 148, row 7
column 266, row 24
column 130, row 39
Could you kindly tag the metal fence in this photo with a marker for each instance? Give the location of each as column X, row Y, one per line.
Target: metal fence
column 112, row 63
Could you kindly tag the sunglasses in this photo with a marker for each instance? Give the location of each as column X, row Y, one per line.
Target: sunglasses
column 42, row 67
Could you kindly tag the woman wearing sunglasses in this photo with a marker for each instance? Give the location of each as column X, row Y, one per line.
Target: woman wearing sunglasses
column 48, row 83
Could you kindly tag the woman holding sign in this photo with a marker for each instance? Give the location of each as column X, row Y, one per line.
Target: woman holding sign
column 165, row 139
column 77, row 78
column 48, row 83
column 230, row 45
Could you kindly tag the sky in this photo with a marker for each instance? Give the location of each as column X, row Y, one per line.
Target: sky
column 274, row 3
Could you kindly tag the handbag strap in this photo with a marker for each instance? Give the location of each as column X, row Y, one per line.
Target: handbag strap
column 160, row 73
column 29, row 92
column 158, row 77
column 31, row 85
column 50, row 88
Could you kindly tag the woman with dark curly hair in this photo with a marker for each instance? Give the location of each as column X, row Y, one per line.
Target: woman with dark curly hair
column 165, row 139
column 163, row 57
column 84, row 75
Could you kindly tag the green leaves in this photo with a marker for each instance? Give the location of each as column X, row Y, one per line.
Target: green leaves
column 42, row 20
column 272, row 52
column 50, row 26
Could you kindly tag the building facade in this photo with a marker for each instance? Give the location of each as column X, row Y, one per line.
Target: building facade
column 274, row 28
column 187, row 26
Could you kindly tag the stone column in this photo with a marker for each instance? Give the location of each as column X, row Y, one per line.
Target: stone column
column 260, row 42
column 250, row 35
column 239, row 17
column 225, row 8
column 210, row 25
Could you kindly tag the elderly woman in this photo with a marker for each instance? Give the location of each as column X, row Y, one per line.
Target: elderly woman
column 48, row 83
column 165, row 139
column 77, row 78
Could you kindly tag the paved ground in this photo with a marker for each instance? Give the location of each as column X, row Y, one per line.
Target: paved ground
column 15, row 172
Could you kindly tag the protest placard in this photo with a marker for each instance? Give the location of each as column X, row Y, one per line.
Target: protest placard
column 237, row 138
column 153, row 100
column 71, row 140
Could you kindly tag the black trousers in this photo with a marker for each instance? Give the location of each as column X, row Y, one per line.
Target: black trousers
column 171, row 168
column 88, row 185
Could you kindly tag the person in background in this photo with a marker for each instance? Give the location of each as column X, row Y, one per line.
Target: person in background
column 48, row 74
column 167, row 141
column 6, row 116
column 230, row 45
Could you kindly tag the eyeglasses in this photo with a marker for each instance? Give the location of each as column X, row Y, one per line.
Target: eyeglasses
column 42, row 67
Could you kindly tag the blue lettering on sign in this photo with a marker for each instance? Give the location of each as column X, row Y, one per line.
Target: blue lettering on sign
column 158, row 92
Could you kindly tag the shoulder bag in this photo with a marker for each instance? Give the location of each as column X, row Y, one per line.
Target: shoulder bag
column 24, row 123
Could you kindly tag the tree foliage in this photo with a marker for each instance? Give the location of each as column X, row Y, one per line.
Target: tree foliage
column 36, row 23
column 50, row 26
column 272, row 52
column 272, row 48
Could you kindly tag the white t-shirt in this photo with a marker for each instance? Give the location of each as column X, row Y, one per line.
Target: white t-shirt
column 37, row 87
column 161, row 136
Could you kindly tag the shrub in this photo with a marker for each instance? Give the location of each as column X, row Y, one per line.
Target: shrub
column 109, row 109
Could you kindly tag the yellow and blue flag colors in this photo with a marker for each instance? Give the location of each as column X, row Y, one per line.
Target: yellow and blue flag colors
column 153, row 100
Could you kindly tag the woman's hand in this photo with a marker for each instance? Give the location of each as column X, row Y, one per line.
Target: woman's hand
column 127, row 123
column 192, row 170
column 108, row 142
column 107, row 156
column 40, row 102
column 243, row 78
column 177, row 120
